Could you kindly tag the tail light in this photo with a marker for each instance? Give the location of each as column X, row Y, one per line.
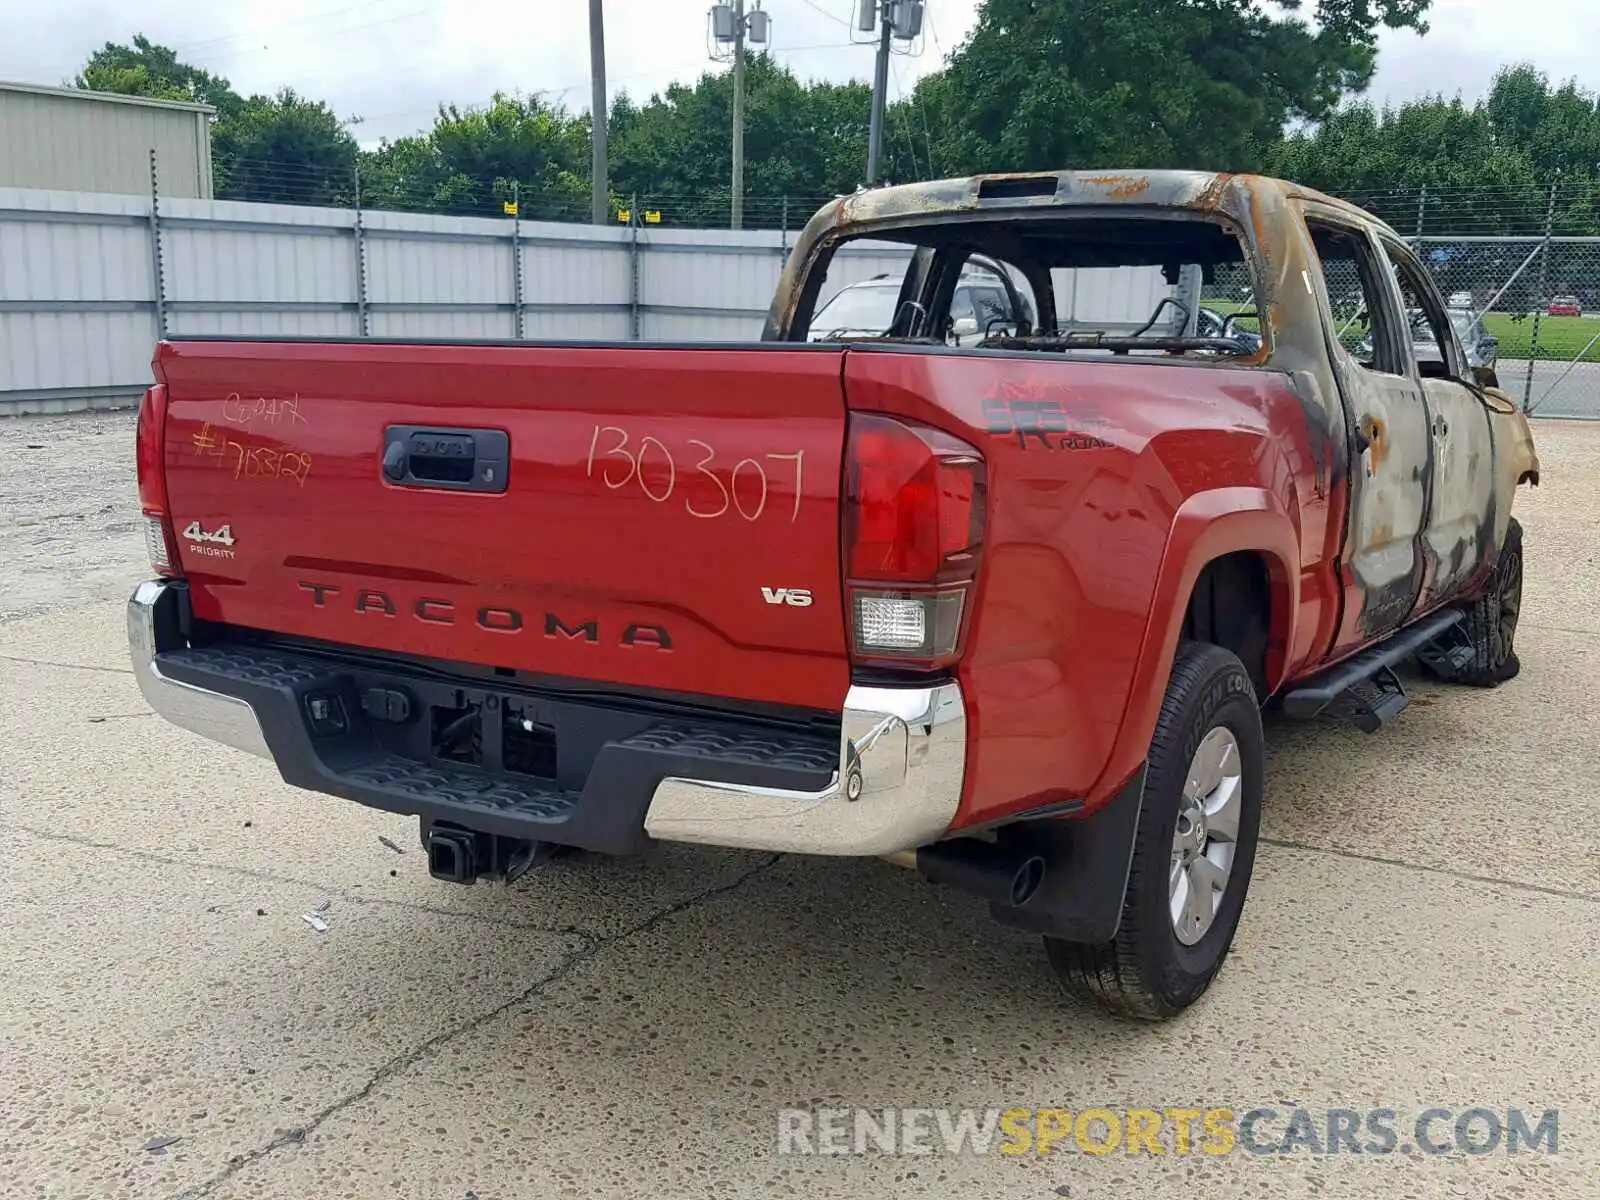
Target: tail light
column 913, row 535
column 153, row 483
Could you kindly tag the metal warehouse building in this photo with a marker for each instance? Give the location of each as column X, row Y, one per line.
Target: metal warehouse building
column 80, row 141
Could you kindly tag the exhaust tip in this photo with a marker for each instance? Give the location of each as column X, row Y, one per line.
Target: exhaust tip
column 1030, row 874
column 998, row 873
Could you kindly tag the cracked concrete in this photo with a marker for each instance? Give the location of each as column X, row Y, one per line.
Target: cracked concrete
column 589, row 947
column 1420, row 931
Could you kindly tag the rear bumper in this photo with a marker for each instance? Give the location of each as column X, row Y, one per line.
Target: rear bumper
column 156, row 613
column 889, row 780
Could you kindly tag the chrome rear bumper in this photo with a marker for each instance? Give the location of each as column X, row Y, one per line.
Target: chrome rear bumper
column 212, row 715
column 897, row 785
column 902, row 758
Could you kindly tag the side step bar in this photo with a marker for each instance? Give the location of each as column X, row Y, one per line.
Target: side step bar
column 1311, row 698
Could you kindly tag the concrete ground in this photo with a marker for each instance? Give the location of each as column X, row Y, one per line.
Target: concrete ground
column 1421, row 931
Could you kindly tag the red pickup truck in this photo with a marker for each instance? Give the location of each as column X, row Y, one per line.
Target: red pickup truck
column 1006, row 608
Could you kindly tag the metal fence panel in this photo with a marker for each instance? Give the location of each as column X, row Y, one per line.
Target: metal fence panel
column 445, row 277
column 659, row 326
column 1108, row 297
column 247, row 253
column 576, row 282
column 699, row 270
column 87, row 281
column 339, row 323
column 76, row 296
column 591, row 324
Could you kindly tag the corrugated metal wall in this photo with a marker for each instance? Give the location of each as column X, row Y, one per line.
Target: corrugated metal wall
column 83, row 300
column 60, row 138
column 1108, row 298
column 80, row 308
column 77, row 291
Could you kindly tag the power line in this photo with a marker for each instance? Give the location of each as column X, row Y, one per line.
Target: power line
column 344, row 29
column 819, row 46
column 817, row 8
column 922, row 115
column 257, row 32
column 905, row 127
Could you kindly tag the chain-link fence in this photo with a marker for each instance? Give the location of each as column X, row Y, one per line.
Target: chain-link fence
column 426, row 188
column 1520, row 269
column 1529, row 306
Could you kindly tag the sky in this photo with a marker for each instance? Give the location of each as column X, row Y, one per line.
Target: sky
column 392, row 62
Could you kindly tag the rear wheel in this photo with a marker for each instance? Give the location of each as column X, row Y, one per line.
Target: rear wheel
column 1193, row 851
column 1479, row 650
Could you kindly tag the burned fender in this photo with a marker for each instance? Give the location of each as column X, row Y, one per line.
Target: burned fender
column 1516, row 460
column 1207, row 526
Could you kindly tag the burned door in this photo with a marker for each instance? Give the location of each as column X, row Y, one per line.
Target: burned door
column 1381, row 564
column 1459, row 532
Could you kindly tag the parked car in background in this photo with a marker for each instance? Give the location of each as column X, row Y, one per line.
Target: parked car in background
column 1481, row 348
column 1460, row 300
column 985, row 302
column 862, row 309
column 1210, row 323
column 1478, row 346
column 1565, row 306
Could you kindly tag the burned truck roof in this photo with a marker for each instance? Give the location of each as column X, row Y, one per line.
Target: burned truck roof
column 1199, row 191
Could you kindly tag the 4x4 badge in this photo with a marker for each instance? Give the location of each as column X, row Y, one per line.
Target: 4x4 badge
column 223, row 535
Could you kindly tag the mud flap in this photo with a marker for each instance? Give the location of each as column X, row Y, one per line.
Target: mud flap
column 1088, row 861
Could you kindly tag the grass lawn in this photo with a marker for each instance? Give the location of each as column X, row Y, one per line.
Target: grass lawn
column 1560, row 338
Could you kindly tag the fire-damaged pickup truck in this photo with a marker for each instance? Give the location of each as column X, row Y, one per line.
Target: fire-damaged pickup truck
column 1006, row 607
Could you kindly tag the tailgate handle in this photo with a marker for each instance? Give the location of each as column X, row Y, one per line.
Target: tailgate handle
column 463, row 460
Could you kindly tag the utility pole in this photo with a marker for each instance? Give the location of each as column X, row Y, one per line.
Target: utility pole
column 902, row 20
column 731, row 26
column 736, row 216
column 880, row 95
column 600, row 210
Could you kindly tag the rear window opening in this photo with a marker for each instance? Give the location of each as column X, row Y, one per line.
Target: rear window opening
column 1155, row 283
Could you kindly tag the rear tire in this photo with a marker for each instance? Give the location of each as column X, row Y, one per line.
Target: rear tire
column 1174, row 935
column 1490, row 626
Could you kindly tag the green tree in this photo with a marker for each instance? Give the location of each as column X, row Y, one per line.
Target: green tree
column 284, row 149
column 1483, row 169
column 1148, row 83
column 474, row 159
column 804, row 143
column 146, row 68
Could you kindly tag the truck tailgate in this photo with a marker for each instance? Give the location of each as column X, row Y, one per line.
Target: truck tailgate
column 657, row 518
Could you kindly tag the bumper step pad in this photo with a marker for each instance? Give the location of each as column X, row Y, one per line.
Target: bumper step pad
column 468, row 791
column 323, row 736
